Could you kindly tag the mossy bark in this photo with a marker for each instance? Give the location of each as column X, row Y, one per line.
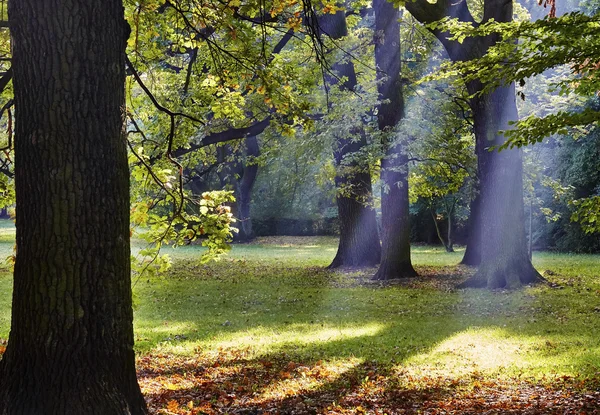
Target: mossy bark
column 70, row 349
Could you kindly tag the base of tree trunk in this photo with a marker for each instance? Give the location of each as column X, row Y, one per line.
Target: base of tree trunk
column 511, row 276
column 342, row 262
column 394, row 272
column 471, row 258
column 243, row 239
column 32, row 392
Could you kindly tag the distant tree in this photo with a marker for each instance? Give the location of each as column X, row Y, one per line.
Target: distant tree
column 444, row 175
column 238, row 171
column 567, row 39
column 359, row 243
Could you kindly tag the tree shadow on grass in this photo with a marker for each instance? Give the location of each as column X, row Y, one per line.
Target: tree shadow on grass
column 302, row 370
column 287, row 383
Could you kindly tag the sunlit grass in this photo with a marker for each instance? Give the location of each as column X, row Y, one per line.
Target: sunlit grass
column 275, row 297
column 275, row 300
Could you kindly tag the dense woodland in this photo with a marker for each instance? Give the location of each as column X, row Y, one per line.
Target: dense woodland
column 471, row 125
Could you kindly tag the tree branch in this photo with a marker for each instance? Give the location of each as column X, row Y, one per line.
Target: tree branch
column 427, row 13
column 227, row 135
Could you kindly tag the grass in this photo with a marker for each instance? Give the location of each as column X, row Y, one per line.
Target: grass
column 319, row 331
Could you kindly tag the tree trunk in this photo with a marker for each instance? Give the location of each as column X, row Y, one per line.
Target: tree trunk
column 359, row 244
column 71, row 342
column 395, row 257
column 497, row 231
column 472, row 256
column 244, row 192
column 504, row 259
column 437, row 228
column 450, row 211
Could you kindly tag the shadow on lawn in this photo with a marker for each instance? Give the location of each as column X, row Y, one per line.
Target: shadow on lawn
column 366, row 370
column 285, row 383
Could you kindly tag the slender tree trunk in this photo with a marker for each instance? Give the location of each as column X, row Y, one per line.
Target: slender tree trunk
column 71, row 342
column 359, row 243
column 437, row 228
column 244, row 192
column 450, row 243
column 395, row 256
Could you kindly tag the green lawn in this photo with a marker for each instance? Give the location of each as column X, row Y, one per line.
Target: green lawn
column 274, row 298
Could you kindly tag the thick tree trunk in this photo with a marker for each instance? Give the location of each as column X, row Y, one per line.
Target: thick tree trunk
column 497, row 232
column 71, row 343
column 505, row 262
column 236, row 175
column 359, row 244
column 395, row 257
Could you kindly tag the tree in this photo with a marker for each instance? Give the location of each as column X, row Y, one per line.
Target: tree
column 444, row 175
column 504, row 259
column 359, row 239
column 395, row 260
column 525, row 49
column 240, row 175
column 71, row 343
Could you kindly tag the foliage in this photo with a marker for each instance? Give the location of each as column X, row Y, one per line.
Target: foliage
column 163, row 216
column 587, row 213
column 529, row 48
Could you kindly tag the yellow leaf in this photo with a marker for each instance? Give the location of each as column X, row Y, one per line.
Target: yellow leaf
column 172, row 406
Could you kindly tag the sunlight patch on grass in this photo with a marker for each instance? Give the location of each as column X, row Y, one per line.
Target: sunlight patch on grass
column 262, row 340
column 300, row 334
column 480, row 350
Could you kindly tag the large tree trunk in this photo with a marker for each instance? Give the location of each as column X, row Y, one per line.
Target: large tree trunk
column 71, row 343
column 505, row 262
column 497, row 229
column 472, row 256
column 395, row 258
column 237, row 175
column 359, row 244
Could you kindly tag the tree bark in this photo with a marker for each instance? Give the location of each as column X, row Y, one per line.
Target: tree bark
column 395, row 258
column 244, row 192
column 236, row 174
column 71, row 343
column 359, row 244
column 472, row 256
column 450, row 212
column 497, row 231
column 505, row 262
